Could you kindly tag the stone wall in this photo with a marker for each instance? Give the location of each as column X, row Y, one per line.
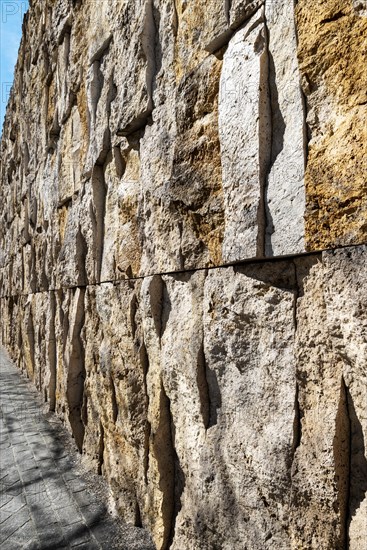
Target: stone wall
column 183, row 272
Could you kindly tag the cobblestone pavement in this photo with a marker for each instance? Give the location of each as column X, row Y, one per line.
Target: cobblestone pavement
column 47, row 501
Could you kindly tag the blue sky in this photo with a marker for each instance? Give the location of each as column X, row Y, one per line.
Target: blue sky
column 11, row 17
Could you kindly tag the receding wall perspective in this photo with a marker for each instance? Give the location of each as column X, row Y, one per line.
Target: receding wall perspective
column 183, row 259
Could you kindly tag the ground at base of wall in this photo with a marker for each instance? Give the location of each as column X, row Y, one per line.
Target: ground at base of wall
column 48, row 499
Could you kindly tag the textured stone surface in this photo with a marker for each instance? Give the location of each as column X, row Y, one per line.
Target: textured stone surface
column 284, row 194
column 332, row 55
column 175, row 137
column 244, row 123
column 225, row 408
column 331, row 357
column 139, row 165
column 146, row 146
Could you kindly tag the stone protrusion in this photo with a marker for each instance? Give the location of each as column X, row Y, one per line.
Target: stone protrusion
column 244, row 130
column 74, row 358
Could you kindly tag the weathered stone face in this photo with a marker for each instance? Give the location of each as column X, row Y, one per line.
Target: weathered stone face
column 152, row 151
column 330, row 458
column 332, row 56
column 213, row 399
column 196, row 117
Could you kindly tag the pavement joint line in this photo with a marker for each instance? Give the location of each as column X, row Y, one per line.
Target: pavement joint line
column 12, row 533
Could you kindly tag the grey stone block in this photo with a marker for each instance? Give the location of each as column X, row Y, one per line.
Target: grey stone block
column 69, row 515
column 83, row 498
column 13, row 524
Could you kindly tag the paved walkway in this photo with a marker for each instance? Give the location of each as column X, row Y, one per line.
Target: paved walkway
column 46, row 500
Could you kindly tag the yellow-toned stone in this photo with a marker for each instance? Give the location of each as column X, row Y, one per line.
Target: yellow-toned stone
column 333, row 64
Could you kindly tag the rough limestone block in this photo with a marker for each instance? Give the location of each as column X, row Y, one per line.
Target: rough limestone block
column 332, row 60
column 80, row 237
column 159, row 496
column 241, row 10
column 72, row 254
column 180, row 210
column 121, row 242
column 183, row 381
column 249, row 442
column 70, row 363
column 101, row 91
column 330, row 468
column 70, row 158
column 195, row 189
column 156, row 218
column 27, row 334
column 345, row 281
column 134, row 48
column 115, row 401
column 244, row 129
column 285, row 192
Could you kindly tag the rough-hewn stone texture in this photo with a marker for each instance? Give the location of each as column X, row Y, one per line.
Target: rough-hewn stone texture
column 330, row 466
column 333, row 63
column 164, row 168
column 226, row 408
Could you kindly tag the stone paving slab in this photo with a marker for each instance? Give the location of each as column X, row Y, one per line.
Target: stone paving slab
column 46, row 500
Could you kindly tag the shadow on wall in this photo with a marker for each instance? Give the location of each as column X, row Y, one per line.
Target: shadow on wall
column 358, row 462
column 277, row 144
